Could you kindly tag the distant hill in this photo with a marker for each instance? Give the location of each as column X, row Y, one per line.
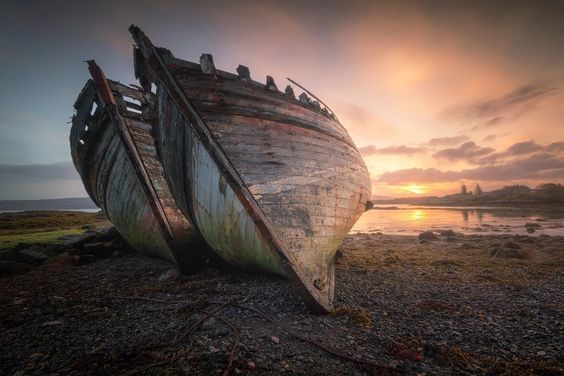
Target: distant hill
column 73, row 203
column 381, row 198
column 549, row 193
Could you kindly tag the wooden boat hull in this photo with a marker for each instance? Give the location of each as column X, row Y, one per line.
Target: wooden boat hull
column 150, row 223
column 271, row 184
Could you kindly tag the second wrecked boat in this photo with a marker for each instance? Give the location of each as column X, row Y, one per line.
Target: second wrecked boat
column 113, row 150
column 271, row 182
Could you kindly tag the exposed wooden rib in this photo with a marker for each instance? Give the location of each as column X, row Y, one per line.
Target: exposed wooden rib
column 313, row 95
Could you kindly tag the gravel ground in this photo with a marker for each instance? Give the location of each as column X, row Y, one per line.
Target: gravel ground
column 447, row 305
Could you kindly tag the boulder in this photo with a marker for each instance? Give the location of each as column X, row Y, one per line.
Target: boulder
column 98, row 249
column 512, row 245
column 447, row 233
column 63, row 259
column 9, row 254
column 510, row 253
column 107, row 234
column 78, row 241
column 31, row 256
column 8, row 267
column 85, row 259
column 427, row 235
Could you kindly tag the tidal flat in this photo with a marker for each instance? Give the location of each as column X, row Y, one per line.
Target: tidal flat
column 438, row 303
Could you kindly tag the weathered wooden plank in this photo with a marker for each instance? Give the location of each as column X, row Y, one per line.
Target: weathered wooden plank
column 215, row 107
column 109, row 171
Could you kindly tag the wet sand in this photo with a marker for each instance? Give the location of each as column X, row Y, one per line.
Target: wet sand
column 446, row 305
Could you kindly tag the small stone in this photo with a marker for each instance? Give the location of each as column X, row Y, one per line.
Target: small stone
column 52, row 323
column 252, row 365
column 275, row 339
column 169, row 275
column 36, row 356
column 467, row 245
column 209, row 324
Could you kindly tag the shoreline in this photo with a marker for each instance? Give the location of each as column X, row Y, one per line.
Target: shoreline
column 441, row 304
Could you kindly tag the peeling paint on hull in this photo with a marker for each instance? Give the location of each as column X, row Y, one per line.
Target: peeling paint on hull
column 269, row 182
column 110, row 178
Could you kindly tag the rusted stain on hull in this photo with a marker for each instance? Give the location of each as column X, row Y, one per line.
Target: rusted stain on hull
column 242, row 186
column 122, row 174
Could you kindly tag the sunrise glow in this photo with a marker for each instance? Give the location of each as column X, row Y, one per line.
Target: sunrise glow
column 433, row 97
column 414, row 188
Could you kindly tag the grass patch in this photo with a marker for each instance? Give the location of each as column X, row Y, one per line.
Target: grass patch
column 41, row 221
column 8, row 241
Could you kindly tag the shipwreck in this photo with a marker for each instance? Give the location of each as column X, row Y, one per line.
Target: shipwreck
column 268, row 181
column 113, row 150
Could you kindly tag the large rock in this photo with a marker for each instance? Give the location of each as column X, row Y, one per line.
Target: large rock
column 510, row 253
column 78, row 241
column 99, row 249
column 108, row 234
column 8, row 267
column 427, row 235
column 9, row 254
column 447, row 233
column 31, row 256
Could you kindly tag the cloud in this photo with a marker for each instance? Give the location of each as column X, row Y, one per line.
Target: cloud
column 61, row 170
column 539, row 166
column 468, row 152
column 555, row 146
column 361, row 122
column 38, row 181
column 521, row 149
column 393, row 150
column 490, row 112
column 525, row 147
column 446, row 141
column 492, row 137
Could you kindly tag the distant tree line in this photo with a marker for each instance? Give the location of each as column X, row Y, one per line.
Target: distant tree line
column 548, row 193
column 510, row 194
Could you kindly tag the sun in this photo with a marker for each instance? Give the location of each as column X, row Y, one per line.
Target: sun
column 416, row 189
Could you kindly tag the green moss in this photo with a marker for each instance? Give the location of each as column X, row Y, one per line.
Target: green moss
column 8, row 241
column 24, row 222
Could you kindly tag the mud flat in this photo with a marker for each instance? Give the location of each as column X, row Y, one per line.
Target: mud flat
column 440, row 303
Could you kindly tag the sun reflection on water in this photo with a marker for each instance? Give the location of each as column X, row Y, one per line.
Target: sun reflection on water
column 405, row 219
column 418, row 215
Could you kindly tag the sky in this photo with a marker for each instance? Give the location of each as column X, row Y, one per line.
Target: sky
column 435, row 94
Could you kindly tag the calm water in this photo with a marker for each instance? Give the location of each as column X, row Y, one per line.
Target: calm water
column 411, row 220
